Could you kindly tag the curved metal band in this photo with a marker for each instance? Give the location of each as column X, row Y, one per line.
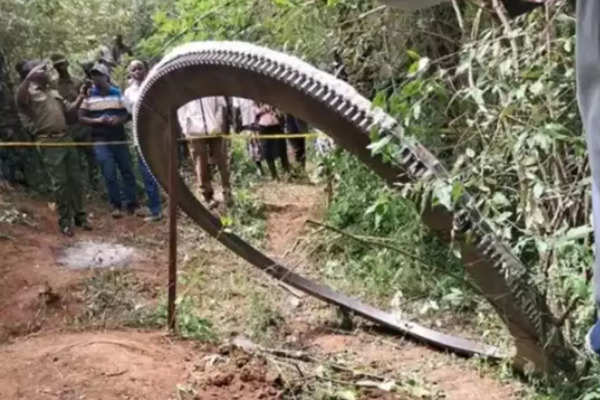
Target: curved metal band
column 242, row 70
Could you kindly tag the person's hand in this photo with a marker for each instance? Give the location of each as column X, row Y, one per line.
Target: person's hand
column 85, row 89
column 114, row 121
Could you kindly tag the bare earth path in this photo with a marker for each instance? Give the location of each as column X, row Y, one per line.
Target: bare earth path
column 45, row 354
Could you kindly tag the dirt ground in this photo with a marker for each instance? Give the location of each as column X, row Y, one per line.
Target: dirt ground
column 289, row 206
column 46, row 356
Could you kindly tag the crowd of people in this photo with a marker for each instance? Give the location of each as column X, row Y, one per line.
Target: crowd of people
column 58, row 108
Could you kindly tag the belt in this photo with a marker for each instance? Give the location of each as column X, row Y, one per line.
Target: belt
column 52, row 135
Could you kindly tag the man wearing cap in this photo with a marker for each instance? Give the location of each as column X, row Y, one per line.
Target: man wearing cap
column 69, row 87
column 27, row 161
column 104, row 111
column 48, row 112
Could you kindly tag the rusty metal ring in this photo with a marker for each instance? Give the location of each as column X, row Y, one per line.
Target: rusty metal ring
column 243, row 70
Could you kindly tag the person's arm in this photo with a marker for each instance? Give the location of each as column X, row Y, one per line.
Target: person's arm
column 23, row 97
column 85, row 119
column 71, row 108
column 123, row 115
column 120, row 119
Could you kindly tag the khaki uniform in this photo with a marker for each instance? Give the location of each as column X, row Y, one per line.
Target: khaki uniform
column 69, row 90
column 46, row 111
column 18, row 165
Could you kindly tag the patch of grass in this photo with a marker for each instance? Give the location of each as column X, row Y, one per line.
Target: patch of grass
column 189, row 323
column 248, row 216
column 263, row 317
column 112, row 298
column 365, row 207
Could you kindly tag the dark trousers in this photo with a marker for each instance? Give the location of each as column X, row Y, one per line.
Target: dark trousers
column 62, row 165
column 113, row 157
column 83, row 134
column 151, row 187
column 274, row 148
column 298, row 146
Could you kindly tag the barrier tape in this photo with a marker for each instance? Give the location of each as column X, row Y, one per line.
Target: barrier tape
column 189, row 139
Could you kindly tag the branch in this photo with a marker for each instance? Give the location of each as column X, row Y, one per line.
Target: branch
column 498, row 8
column 459, row 17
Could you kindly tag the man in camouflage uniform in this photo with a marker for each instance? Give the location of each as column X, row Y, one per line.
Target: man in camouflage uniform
column 13, row 160
column 8, row 125
column 48, row 113
column 69, row 88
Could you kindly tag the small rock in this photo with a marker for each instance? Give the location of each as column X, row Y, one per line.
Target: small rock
column 220, row 379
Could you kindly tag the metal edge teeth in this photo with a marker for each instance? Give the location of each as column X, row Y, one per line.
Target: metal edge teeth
column 408, row 159
column 417, row 170
column 352, row 110
column 306, row 84
column 335, row 101
column 496, row 257
column 374, row 125
column 280, row 71
column 252, row 65
column 345, row 104
column 358, row 116
column 288, row 75
column 271, row 68
column 260, row 67
column 299, row 79
column 328, row 96
column 364, row 124
column 321, row 92
column 489, row 250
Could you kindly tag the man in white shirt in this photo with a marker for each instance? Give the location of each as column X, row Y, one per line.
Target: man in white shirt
column 245, row 121
column 138, row 71
column 208, row 116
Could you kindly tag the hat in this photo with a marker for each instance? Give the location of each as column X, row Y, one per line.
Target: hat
column 100, row 68
column 58, row 58
column 29, row 65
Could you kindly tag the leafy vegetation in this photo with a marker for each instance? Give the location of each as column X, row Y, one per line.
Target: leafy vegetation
column 495, row 102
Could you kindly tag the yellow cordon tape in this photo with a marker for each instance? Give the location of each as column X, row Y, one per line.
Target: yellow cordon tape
column 190, row 139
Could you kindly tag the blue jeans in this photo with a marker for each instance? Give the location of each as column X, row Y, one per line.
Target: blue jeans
column 111, row 157
column 151, row 188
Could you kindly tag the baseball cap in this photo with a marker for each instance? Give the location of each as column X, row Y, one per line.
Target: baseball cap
column 100, row 68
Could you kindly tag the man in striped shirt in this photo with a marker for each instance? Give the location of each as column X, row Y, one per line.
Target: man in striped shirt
column 104, row 111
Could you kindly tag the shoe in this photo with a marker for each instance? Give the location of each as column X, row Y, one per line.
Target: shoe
column 592, row 339
column 142, row 212
column 153, row 218
column 84, row 225
column 67, row 231
column 116, row 213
